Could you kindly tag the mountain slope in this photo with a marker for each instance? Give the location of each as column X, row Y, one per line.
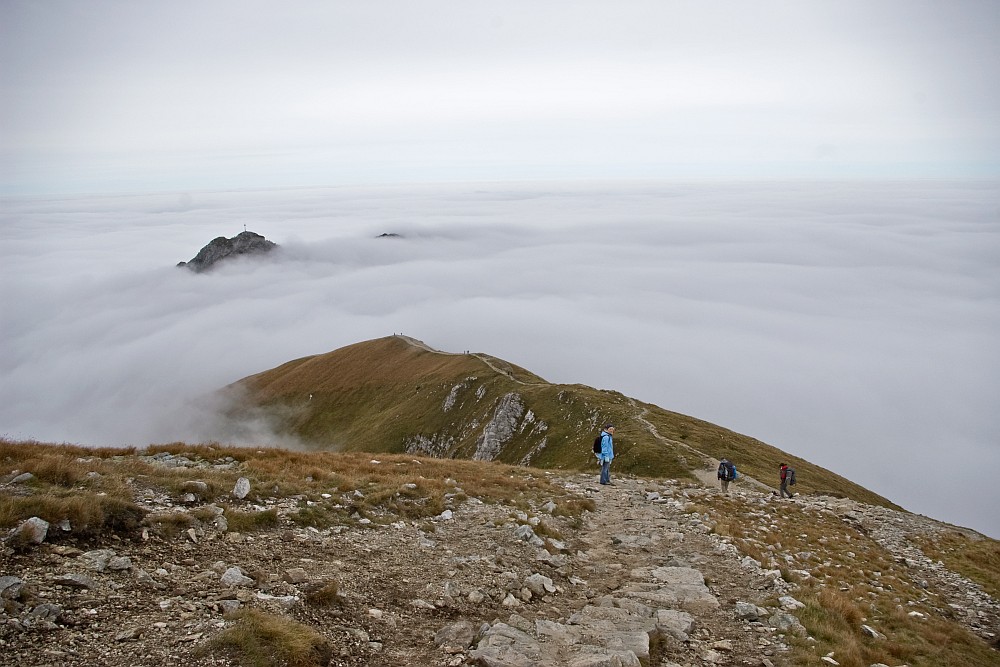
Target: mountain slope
column 396, row 394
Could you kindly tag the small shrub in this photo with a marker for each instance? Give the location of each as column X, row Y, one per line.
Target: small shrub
column 247, row 522
column 323, row 594
column 63, row 471
column 315, row 516
column 574, row 507
column 546, row 529
column 169, row 524
column 261, row 640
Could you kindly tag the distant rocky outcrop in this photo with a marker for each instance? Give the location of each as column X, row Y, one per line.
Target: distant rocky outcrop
column 221, row 248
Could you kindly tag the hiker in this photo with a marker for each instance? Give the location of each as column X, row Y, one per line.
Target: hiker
column 787, row 475
column 607, row 453
column 727, row 473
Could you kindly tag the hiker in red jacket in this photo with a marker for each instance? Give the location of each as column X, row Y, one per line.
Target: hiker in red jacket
column 786, row 477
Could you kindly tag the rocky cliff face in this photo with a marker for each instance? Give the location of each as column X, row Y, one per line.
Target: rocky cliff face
column 241, row 245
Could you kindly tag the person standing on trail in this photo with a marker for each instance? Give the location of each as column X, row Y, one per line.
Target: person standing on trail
column 727, row 473
column 607, row 452
column 787, row 475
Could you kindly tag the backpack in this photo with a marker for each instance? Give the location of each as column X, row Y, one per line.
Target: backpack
column 732, row 470
column 597, row 443
column 727, row 471
column 790, row 476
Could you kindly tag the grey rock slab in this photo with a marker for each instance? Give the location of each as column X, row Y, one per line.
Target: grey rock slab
column 457, row 635
column 96, row 560
column 678, row 624
column 31, row 531
column 234, row 577
column 539, row 585
column 11, row 587
column 749, row 612
column 786, row 623
column 505, row 646
column 242, row 488
column 74, row 580
column 558, row 633
column 605, row 659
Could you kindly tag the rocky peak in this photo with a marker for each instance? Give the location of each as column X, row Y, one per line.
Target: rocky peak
column 221, row 248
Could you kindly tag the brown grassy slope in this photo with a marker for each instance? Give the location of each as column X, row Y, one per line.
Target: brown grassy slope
column 380, row 395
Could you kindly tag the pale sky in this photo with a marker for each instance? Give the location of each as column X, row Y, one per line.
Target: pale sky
column 124, row 96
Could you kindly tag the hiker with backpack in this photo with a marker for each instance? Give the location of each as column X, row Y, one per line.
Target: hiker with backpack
column 727, row 474
column 607, row 452
column 787, row 476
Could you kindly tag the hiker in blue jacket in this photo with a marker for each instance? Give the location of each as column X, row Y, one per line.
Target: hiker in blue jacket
column 607, row 452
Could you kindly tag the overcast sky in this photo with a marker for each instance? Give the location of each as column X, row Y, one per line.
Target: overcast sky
column 126, row 96
column 778, row 216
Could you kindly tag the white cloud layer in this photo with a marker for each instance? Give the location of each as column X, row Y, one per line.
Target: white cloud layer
column 852, row 324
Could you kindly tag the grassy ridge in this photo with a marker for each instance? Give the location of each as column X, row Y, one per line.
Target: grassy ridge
column 385, row 394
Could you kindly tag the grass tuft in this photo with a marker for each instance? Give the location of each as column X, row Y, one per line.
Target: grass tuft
column 258, row 639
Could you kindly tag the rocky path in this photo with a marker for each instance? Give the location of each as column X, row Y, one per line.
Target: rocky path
column 643, row 579
column 657, row 589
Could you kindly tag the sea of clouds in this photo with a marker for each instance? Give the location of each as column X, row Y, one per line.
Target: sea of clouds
column 852, row 324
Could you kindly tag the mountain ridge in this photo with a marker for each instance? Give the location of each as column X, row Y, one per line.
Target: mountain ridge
column 398, row 394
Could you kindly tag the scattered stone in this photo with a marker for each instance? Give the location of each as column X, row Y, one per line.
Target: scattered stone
column 295, row 575
column 872, row 632
column 234, row 577
column 539, row 585
column 30, row 531
column 788, row 603
column 455, row 637
column 10, row 588
column 749, row 612
column 786, row 623
column 74, row 580
column 242, row 488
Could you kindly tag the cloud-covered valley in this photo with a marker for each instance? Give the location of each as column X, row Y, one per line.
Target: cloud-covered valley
column 853, row 324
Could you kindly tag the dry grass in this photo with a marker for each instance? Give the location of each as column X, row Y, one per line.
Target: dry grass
column 169, row 524
column 94, row 488
column 258, row 639
column 249, row 522
column 323, row 594
column 969, row 555
column 89, row 514
column 853, row 581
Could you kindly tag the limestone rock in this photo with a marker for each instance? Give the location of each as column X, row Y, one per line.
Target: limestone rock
column 219, row 249
column 234, row 577
column 31, row 531
column 455, row 637
column 242, row 488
